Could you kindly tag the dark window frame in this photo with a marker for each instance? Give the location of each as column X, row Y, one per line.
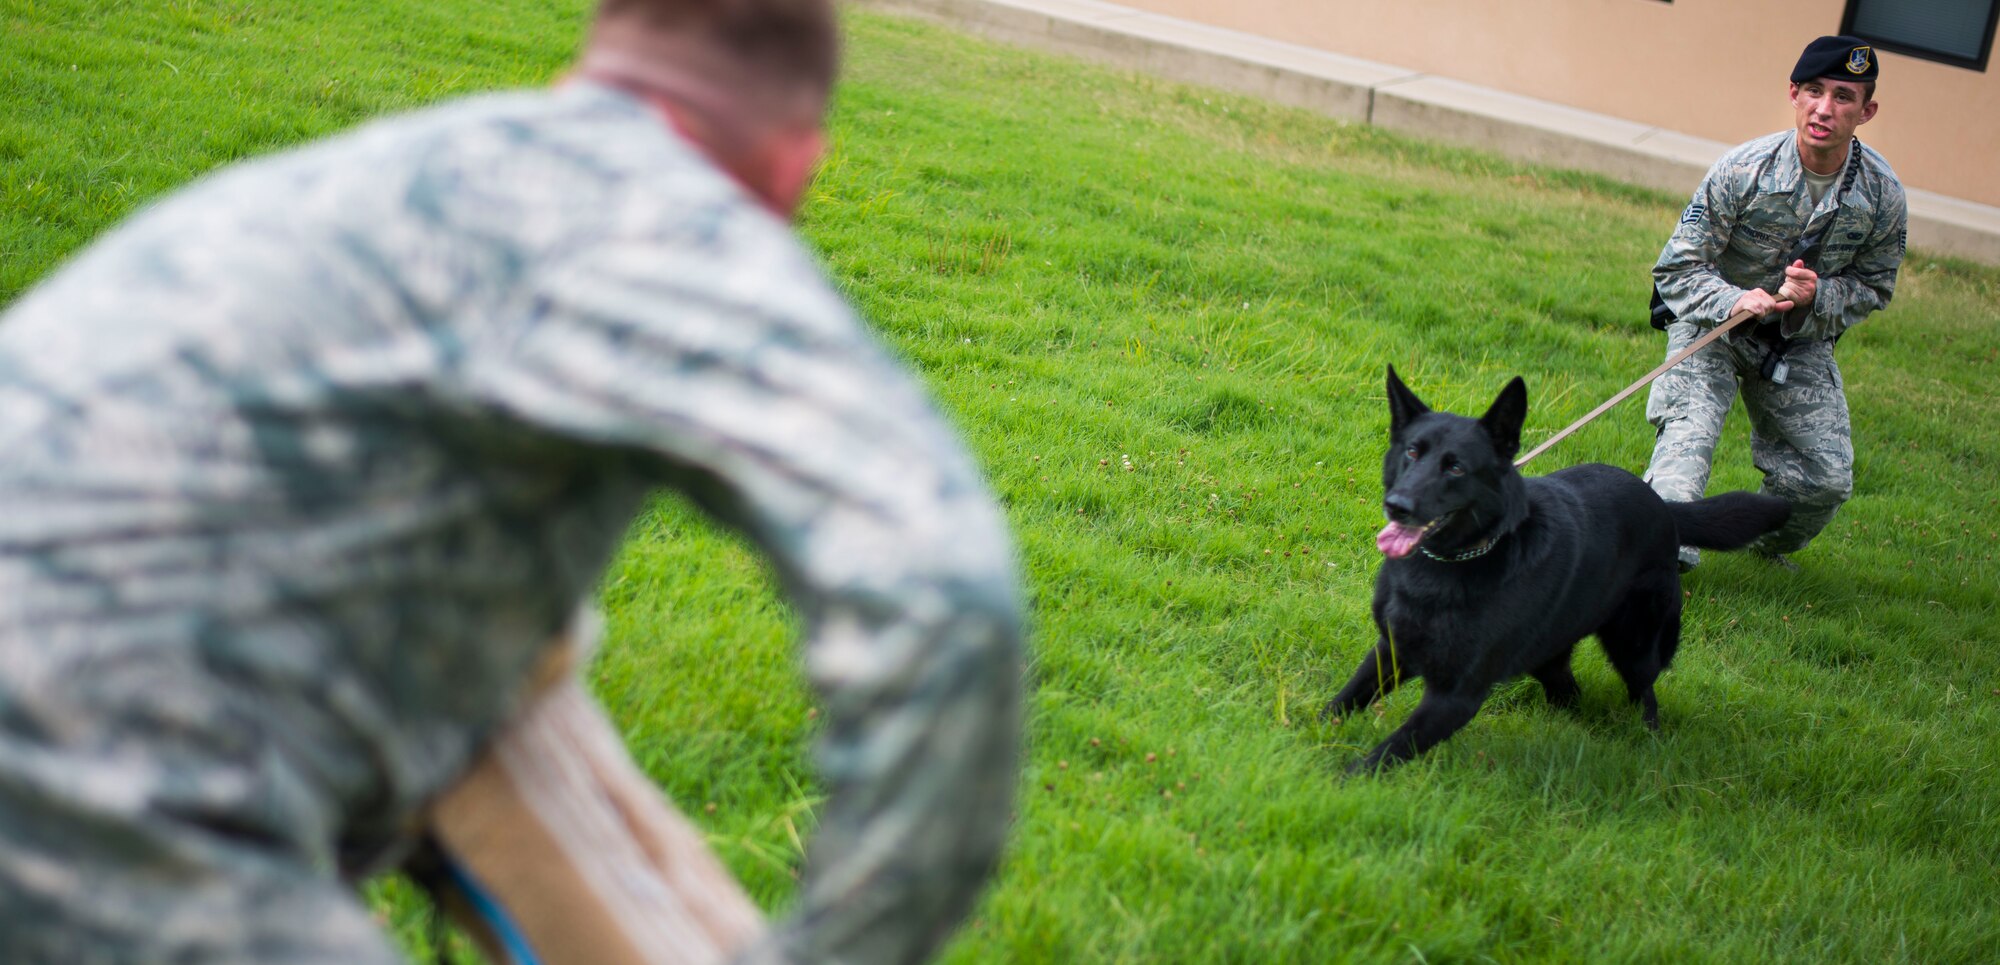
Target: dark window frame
column 1974, row 63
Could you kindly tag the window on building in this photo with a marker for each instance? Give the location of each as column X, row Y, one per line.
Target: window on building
column 1958, row 32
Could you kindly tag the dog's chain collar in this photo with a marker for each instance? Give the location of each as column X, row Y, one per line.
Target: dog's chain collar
column 1484, row 547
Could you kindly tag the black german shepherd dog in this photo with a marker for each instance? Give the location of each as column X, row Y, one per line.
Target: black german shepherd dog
column 1488, row 575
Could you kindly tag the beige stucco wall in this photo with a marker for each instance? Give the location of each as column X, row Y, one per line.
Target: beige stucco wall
column 1711, row 68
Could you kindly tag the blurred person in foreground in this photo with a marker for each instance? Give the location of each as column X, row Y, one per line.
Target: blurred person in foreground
column 1805, row 228
column 310, row 466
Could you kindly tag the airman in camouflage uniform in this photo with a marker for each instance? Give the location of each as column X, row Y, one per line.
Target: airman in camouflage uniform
column 305, row 467
column 1734, row 249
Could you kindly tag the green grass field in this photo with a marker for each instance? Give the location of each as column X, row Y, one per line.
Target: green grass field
column 1161, row 315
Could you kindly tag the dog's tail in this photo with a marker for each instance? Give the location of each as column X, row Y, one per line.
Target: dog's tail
column 1729, row 521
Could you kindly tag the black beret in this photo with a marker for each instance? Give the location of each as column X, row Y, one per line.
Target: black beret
column 1841, row 58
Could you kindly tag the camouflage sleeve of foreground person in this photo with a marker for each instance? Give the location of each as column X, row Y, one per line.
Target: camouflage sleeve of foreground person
column 808, row 442
column 1750, row 211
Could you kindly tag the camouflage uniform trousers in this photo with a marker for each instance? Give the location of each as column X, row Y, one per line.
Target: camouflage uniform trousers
column 1799, row 433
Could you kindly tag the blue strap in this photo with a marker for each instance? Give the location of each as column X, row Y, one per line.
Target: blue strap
column 512, row 942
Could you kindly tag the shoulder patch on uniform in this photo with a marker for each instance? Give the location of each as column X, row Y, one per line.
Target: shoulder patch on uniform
column 1695, row 211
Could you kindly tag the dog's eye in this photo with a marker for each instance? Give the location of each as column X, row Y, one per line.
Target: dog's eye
column 1454, row 469
column 1410, row 453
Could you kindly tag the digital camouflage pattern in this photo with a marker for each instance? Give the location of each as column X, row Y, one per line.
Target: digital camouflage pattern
column 307, row 464
column 1798, row 430
column 1746, row 216
column 1750, row 211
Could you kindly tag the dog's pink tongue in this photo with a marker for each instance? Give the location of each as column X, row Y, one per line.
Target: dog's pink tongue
column 1396, row 540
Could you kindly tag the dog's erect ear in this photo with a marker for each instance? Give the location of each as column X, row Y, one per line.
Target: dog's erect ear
column 1403, row 404
column 1503, row 420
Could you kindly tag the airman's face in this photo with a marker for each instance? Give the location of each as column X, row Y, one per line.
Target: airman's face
column 1827, row 111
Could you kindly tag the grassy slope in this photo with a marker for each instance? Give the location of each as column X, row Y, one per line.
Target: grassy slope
column 1090, row 267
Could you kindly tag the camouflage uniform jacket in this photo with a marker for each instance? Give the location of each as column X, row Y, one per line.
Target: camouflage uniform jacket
column 305, row 465
column 1750, row 211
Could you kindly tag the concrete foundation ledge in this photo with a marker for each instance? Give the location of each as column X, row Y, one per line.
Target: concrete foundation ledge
column 1399, row 99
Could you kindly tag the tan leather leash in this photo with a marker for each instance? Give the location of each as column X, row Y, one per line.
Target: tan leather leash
column 1712, row 334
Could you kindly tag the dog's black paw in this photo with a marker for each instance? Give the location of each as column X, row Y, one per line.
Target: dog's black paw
column 1368, row 766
